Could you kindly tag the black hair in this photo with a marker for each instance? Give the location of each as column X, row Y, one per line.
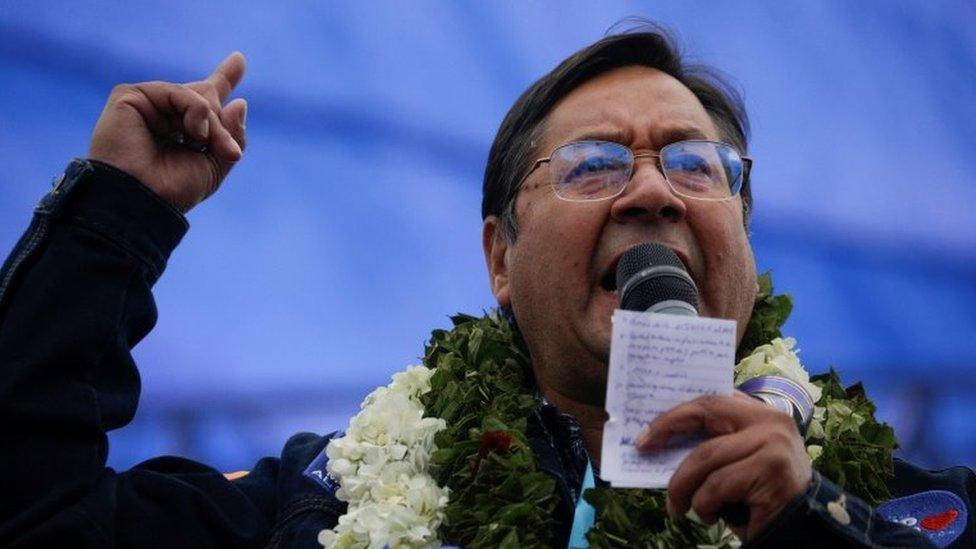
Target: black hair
column 650, row 45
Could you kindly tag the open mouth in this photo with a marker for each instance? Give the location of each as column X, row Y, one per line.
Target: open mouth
column 609, row 280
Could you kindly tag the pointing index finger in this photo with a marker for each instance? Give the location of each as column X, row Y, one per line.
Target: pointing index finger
column 228, row 74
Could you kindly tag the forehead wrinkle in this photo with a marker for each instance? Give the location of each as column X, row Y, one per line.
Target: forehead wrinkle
column 659, row 136
column 687, row 120
column 613, row 125
column 606, row 114
column 609, row 124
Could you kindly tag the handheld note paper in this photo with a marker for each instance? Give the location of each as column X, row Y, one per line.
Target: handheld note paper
column 658, row 361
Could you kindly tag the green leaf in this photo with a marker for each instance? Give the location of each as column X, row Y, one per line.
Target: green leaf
column 769, row 313
column 857, row 449
column 497, row 500
column 484, row 382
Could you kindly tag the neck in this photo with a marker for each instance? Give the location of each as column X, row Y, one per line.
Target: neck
column 590, row 417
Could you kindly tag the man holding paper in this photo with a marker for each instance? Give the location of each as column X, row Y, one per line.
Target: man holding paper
column 604, row 153
column 757, row 457
column 635, row 117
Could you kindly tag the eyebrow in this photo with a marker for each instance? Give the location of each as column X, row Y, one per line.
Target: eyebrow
column 665, row 136
column 681, row 133
column 604, row 134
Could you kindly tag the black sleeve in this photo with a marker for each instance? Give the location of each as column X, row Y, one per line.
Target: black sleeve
column 74, row 299
column 826, row 516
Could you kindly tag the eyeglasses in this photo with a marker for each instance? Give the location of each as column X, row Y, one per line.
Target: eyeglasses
column 598, row 170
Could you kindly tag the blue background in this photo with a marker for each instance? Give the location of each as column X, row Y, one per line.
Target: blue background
column 352, row 227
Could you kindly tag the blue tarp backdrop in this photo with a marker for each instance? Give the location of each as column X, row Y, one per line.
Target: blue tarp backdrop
column 352, row 226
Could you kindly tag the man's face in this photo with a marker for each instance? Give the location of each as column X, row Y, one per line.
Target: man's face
column 551, row 274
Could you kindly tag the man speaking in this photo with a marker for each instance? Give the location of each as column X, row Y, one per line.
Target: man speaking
column 498, row 438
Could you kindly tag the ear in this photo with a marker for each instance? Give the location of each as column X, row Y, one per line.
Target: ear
column 496, row 258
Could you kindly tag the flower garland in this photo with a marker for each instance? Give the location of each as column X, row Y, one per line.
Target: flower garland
column 441, row 454
column 382, row 466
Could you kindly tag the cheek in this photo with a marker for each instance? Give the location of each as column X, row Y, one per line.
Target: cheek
column 554, row 249
column 730, row 265
column 745, row 290
column 740, row 286
column 542, row 263
column 745, row 272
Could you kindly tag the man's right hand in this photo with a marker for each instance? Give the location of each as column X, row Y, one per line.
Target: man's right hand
column 180, row 140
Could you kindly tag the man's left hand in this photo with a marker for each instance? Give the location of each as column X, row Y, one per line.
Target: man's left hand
column 755, row 456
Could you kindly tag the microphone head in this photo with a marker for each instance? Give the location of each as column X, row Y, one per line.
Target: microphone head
column 651, row 273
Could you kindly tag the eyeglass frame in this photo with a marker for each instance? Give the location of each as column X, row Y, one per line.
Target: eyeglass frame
column 640, row 153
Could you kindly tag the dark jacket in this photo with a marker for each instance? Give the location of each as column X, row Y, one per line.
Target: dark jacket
column 75, row 298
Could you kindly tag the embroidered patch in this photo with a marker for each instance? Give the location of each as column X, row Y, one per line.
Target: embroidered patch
column 317, row 472
column 939, row 514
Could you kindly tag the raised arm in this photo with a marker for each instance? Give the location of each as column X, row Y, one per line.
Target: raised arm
column 75, row 298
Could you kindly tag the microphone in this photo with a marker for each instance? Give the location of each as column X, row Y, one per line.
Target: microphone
column 651, row 278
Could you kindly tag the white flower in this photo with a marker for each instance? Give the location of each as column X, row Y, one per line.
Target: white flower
column 815, row 431
column 777, row 358
column 381, row 466
column 414, row 381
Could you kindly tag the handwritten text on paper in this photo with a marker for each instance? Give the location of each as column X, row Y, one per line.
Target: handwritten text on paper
column 658, row 361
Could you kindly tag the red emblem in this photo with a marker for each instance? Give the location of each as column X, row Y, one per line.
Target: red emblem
column 939, row 521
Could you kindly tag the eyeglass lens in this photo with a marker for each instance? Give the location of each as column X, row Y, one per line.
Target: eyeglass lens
column 591, row 170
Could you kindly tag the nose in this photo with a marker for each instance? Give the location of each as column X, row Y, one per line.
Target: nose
column 648, row 198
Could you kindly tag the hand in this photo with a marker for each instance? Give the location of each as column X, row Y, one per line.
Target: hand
column 148, row 129
column 755, row 456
